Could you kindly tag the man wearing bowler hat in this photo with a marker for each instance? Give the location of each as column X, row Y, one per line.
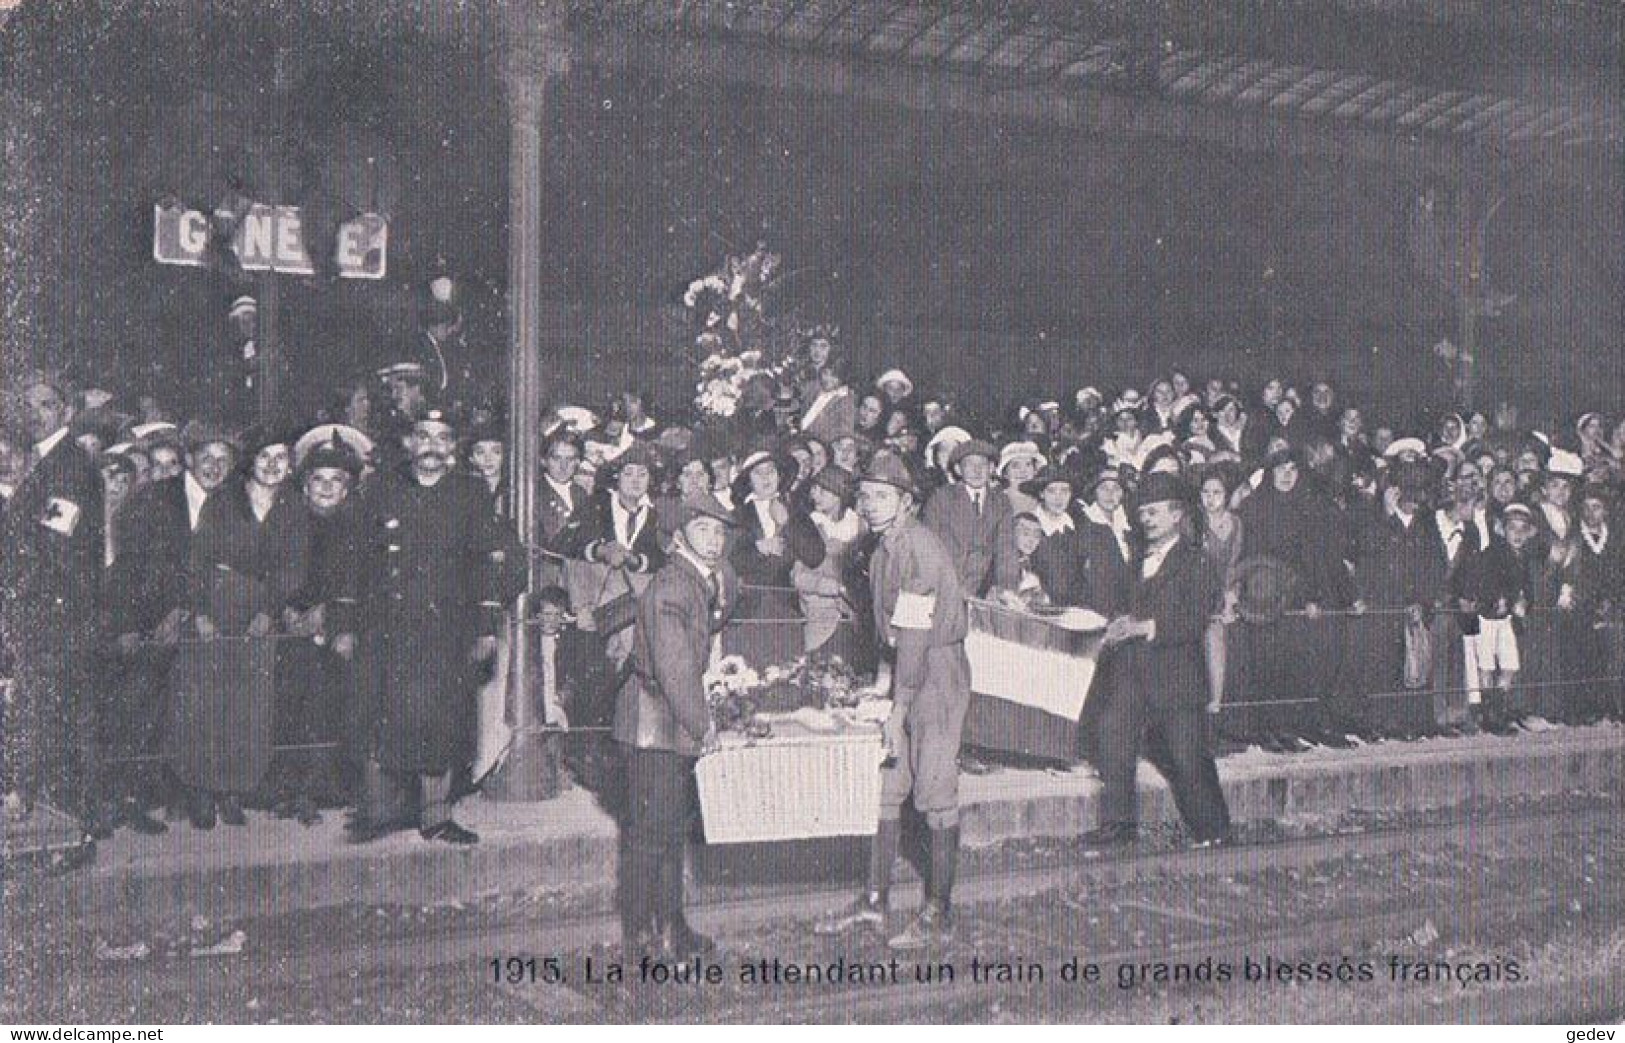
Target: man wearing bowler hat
column 1157, row 703
column 920, row 613
column 664, row 725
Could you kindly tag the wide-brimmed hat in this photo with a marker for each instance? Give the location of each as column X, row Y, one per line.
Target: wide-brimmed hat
column 893, row 470
column 1048, row 475
column 1564, row 464
column 1403, row 446
column 199, row 433
column 1024, row 450
column 704, row 505
column 836, row 481
column 640, row 453
column 975, row 447
column 895, row 376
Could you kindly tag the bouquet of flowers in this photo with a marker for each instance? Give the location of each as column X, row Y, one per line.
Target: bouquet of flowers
column 737, row 694
column 735, row 337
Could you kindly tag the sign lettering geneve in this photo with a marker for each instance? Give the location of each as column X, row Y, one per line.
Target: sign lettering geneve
column 271, row 238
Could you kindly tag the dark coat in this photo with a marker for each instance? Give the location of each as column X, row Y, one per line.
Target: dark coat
column 1170, row 669
column 51, row 553
column 270, row 557
column 662, row 705
column 971, row 539
column 1399, row 566
column 1305, row 531
column 53, row 549
column 802, row 542
column 426, row 594
column 154, row 552
column 594, row 525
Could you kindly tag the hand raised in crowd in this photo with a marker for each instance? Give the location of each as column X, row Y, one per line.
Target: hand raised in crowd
column 344, row 646
column 1359, row 607
column 260, row 625
column 485, row 647
column 1311, row 610
column 205, row 627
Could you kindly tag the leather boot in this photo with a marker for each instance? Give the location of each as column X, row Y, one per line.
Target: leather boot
column 944, row 865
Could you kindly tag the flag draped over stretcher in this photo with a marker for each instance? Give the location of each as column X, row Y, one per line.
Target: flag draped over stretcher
column 1030, row 676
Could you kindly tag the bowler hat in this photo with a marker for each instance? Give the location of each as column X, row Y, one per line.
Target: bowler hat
column 1048, row 475
column 1160, row 487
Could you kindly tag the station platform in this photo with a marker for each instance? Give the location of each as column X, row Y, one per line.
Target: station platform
column 568, row 845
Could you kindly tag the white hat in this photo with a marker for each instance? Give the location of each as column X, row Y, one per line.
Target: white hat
column 753, row 459
column 322, row 434
column 243, row 304
column 949, row 436
column 1565, row 464
column 1086, row 393
column 1020, row 451
column 578, row 419
column 1130, row 400
column 1400, row 446
column 895, row 376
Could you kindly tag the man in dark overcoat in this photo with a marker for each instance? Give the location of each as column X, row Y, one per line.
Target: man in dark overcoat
column 430, row 612
column 664, row 725
column 1157, row 704
column 51, row 551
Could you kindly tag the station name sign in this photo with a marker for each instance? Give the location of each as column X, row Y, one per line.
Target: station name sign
column 271, row 238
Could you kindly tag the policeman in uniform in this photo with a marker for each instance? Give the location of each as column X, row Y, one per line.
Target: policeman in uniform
column 664, row 725
column 434, row 559
column 920, row 613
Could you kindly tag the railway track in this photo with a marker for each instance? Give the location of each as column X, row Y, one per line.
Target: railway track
column 465, row 952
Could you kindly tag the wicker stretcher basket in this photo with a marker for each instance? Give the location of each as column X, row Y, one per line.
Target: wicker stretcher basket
column 794, row 785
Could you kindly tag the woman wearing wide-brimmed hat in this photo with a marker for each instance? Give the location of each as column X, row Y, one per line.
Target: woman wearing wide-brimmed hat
column 825, row 599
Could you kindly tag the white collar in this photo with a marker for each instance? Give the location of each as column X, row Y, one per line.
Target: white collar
column 699, row 566
column 1053, row 524
column 1154, row 557
column 1117, row 521
column 565, row 490
column 49, row 442
column 1596, row 538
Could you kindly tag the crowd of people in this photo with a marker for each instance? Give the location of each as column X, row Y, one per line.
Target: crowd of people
column 201, row 619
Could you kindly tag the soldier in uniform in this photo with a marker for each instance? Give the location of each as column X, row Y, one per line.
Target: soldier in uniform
column 51, row 549
column 663, row 725
column 920, row 613
column 430, row 612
